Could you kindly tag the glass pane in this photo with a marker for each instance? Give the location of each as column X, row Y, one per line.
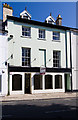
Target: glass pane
column 22, row 28
column 17, row 82
column 25, row 31
column 48, row 82
column 58, row 81
column 25, row 57
column 56, row 58
column 56, row 35
column 37, row 82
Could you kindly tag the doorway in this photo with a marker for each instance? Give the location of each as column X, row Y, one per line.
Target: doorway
column 67, row 83
column 27, row 83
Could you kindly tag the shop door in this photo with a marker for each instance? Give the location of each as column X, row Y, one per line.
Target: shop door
column 67, row 83
column 27, row 83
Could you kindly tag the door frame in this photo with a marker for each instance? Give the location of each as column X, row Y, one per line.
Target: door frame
column 25, row 83
column 66, row 84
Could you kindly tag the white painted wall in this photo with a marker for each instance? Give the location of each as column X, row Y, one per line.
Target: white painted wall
column 3, row 58
column 74, row 43
column 16, row 44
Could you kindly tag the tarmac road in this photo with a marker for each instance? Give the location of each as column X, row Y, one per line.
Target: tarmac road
column 54, row 109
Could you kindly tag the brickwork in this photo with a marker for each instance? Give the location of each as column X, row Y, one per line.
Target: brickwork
column 7, row 11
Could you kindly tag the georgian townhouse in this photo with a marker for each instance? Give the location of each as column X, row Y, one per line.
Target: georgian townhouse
column 41, row 56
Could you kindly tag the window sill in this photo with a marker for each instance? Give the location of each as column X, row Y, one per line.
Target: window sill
column 41, row 39
column 56, row 67
column 26, row 36
column 56, row 40
column 26, row 66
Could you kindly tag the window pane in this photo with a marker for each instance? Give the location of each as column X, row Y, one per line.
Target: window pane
column 26, row 31
column 37, row 82
column 56, row 58
column 48, row 82
column 25, row 57
column 41, row 33
column 58, row 81
column 17, row 82
column 22, row 28
column 56, row 35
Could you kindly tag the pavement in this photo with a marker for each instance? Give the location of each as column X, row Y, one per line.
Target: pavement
column 38, row 96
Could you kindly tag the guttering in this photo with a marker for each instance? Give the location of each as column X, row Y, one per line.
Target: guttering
column 66, row 47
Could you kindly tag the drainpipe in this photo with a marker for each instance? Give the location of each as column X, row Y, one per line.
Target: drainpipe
column 8, row 81
column 66, row 46
column 71, row 59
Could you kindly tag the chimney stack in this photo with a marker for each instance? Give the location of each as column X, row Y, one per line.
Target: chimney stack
column 59, row 20
column 7, row 10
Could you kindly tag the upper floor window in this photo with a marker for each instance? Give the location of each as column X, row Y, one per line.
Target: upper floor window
column 41, row 33
column 56, row 58
column 26, row 31
column 56, row 35
column 26, row 57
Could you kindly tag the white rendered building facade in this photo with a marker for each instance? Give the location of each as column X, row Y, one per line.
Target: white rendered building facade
column 34, row 44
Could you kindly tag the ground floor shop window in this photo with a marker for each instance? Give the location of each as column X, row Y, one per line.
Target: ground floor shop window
column 48, row 82
column 17, row 82
column 37, row 82
column 0, row 82
column 58, row 81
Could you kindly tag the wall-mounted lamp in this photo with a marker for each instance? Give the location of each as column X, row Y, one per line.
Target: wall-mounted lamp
column 3, row 71
column 11, row 36
column 49, row 60
column 33, row 60
column 5, row 63
column 12, row 56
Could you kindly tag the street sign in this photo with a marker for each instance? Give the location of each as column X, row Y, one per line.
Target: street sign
column 42, row 70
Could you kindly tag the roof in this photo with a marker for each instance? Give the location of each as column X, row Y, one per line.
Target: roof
column 32, row 22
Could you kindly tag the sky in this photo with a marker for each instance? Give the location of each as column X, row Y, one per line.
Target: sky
column 40, row 10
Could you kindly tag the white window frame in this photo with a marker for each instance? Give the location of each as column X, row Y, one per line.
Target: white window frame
column 56, row 36
column 27, row 30
column 58, row 60
column 26, row 57
column 41, row 33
